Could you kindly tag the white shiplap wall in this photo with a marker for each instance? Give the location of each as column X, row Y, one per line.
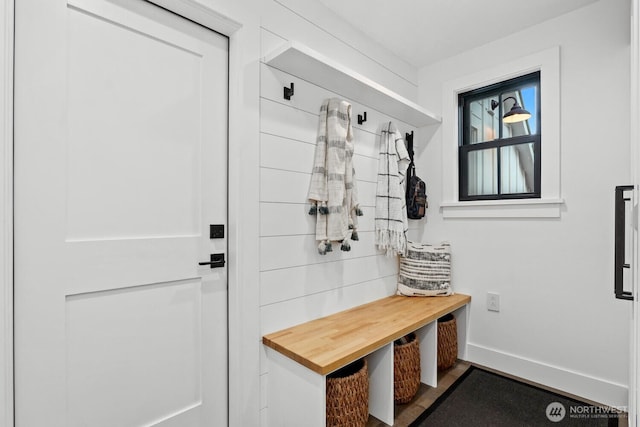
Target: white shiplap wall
column 296, row 283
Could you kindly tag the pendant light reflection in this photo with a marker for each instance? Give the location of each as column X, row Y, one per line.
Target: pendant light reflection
column 516, row 114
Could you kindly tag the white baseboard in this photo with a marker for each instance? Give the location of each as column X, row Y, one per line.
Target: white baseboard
column 587, row 387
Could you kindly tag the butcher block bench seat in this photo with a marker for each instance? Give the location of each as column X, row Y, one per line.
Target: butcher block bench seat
column 328, row 343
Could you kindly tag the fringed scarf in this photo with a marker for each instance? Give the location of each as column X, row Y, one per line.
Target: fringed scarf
column 391, row 214
column 332, row 190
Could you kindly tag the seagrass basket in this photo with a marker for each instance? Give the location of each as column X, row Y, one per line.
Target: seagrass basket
column 406, row 368
column 348, row 396
column 447, row 342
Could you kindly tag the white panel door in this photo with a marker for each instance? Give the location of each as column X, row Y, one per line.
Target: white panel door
column 120, row 168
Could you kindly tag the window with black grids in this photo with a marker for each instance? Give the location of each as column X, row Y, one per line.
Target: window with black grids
column 499, row 147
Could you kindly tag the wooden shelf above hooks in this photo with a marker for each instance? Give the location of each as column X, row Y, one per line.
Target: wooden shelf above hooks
column 299, row 60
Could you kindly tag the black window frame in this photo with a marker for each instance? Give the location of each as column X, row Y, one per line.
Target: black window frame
column 465, row 147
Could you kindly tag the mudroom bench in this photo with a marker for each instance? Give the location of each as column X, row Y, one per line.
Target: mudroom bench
column 300, row 357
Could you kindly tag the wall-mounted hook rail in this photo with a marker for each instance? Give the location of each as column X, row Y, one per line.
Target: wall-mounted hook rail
column 362, row 118
column 288, row 92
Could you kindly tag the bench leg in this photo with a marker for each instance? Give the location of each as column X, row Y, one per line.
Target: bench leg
column 428, row 339
column 462, row 324
column 381, row 384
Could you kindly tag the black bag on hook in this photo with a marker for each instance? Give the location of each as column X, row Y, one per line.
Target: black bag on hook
column 416, row 197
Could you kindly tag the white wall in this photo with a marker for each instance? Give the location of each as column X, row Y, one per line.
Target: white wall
column 559, row 323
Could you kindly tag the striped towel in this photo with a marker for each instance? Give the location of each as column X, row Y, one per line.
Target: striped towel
column 391, row 213
column 333, row 187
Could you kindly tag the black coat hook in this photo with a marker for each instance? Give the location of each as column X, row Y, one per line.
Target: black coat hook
column 409, row 136
column 362, row 118
column 409, row 139
column 288, row 92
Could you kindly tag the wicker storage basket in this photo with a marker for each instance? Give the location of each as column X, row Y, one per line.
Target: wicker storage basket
column 447, row 342
column 406, row 369
column 348, row 396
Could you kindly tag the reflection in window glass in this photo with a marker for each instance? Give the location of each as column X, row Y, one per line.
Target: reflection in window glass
column 483, row 172
column 528, row 99
column 516, row 168
column 483, row 121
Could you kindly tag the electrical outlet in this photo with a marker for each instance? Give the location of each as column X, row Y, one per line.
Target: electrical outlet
column 493, row 301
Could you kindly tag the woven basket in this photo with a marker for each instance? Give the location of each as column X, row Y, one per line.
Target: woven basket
column 447, row 342
column 406, row 369
column 348, row 396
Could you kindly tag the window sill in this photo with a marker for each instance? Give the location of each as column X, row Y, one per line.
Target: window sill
column 528, row 208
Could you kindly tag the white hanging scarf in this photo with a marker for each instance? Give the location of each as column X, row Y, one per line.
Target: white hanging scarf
column 391, row 214
column 333, row 186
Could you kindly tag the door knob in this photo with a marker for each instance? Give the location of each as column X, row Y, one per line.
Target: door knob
column 217, row 261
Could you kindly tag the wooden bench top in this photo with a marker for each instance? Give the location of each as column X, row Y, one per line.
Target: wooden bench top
column 328, row 343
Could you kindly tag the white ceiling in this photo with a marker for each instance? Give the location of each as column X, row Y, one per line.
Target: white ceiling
column 425, row 31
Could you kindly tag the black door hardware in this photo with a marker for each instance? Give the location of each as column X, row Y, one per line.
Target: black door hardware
column 216, row 231
column 620, row 225
column 217, row 261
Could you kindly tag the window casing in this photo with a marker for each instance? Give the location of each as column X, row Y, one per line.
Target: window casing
column 498, row 160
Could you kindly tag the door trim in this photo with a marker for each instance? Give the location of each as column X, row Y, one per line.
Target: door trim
column 6, row 214
column 201, row 14
column 634, row 353
column 244, row 329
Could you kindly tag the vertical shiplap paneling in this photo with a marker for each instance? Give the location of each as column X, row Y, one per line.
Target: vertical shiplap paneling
column 296, row 283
